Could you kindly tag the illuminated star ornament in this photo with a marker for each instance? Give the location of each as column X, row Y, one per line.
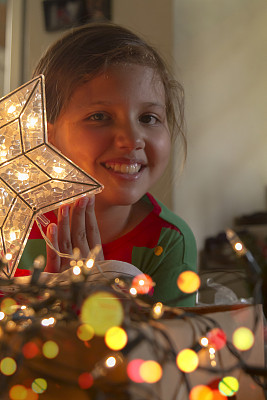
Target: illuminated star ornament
column 34, row 176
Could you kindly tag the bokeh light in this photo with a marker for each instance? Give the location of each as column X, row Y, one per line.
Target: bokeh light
column 30, row 350
column 150, row 371
column 50, row 349
column 111, row 362
column 142, row 283
column 39, row 385
column 85, row 380
column 102, row 310
column 228, row 386
column 243, row 338
column 187, row 360
column 8, row 366
column 85, row 332
column 133, row 370
column 8, row 306
column 18, row 392
column 188, row 282
column 116, row 338
column 201, row 392
column 31, row 395
column 217, row 338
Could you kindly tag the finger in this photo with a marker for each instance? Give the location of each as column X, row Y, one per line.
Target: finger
column 92, row 230
column 53, row 260
column 78, row 227
column 64, row 236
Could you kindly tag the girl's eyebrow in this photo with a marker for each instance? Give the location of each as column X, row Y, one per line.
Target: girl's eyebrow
column 110, row 103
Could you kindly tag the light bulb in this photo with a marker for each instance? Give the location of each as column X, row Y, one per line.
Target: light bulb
column 23, row 176
column 11, row 109
column 90, row 263
column 32, row 121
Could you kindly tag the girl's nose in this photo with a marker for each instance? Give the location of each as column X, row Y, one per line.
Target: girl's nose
column 129, row 136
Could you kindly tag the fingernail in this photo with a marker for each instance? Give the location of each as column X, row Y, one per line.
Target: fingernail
column 65, row 211
column 83, row 202
column 52, row 229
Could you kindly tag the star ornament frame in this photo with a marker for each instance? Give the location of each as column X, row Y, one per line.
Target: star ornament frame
column 35, row 177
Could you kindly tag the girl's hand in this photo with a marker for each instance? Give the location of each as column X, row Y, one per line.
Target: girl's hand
column 77, row 228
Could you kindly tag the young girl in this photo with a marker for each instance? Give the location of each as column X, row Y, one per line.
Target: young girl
column 114, row 109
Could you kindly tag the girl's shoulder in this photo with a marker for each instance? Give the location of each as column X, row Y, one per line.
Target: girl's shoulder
column 165, row 214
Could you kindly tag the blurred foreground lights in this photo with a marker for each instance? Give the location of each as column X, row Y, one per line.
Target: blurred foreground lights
column 187, row 360
column 90, row 263
column 39, row 385
column 48, row 321
column 85, row 380
column 243, row 338
column 76, row 270
column 150, row 371
column 2, row 315
column 30, row 350
column 133, row 291
column 18, row 392
column 217, row 338
column 228, row 386
column 50, row 349
column 204, row 341
column 110, row 362
column 188, row 282
column 9, row 306
column 8, row 366
column 142, row 283
column 102, row 310
column 157, row 310
column 85, row 332
column 116, row 338
column 201, row 392
column 238, row 246
column 133, row 370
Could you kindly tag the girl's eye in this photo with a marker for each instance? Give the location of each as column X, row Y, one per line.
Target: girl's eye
column 98, row 117
column 148, row 119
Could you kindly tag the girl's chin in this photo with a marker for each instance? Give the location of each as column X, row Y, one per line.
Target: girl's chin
column 117, row 199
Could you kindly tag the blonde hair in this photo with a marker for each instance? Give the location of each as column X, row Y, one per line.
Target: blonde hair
column 86, row 51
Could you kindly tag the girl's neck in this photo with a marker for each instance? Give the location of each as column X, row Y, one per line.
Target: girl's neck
column 116, row 221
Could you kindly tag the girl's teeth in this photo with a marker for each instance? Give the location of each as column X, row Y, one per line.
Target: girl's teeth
column 124, row 168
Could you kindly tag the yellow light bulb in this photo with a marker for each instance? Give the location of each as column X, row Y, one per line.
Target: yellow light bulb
column 32, row 121
column 116, row 338
column 187, row 360
column 243, row 338
column 76, row 270
column 11, row 109
column 90, row 263
column 150, row 371
column 23, row 176
column 8, row 256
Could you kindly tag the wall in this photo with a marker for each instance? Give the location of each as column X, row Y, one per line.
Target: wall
column 221, row 50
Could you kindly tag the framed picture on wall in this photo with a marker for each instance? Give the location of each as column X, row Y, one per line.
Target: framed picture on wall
column 63, row 14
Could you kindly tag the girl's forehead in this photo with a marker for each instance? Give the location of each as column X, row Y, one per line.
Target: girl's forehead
column 124, row 76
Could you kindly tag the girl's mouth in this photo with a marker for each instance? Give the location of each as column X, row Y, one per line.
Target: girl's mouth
column 121, row 168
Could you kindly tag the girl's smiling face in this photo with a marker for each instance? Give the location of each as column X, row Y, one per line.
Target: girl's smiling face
column 115, row 128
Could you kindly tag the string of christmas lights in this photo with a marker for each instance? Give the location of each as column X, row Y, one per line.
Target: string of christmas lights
column 88, row 339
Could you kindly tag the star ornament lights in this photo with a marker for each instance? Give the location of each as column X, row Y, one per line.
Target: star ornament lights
column 34, row 176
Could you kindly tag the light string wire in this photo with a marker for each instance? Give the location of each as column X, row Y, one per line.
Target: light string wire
column 204, row 320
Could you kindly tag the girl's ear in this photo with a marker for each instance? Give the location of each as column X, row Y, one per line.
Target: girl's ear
column 51, row 133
